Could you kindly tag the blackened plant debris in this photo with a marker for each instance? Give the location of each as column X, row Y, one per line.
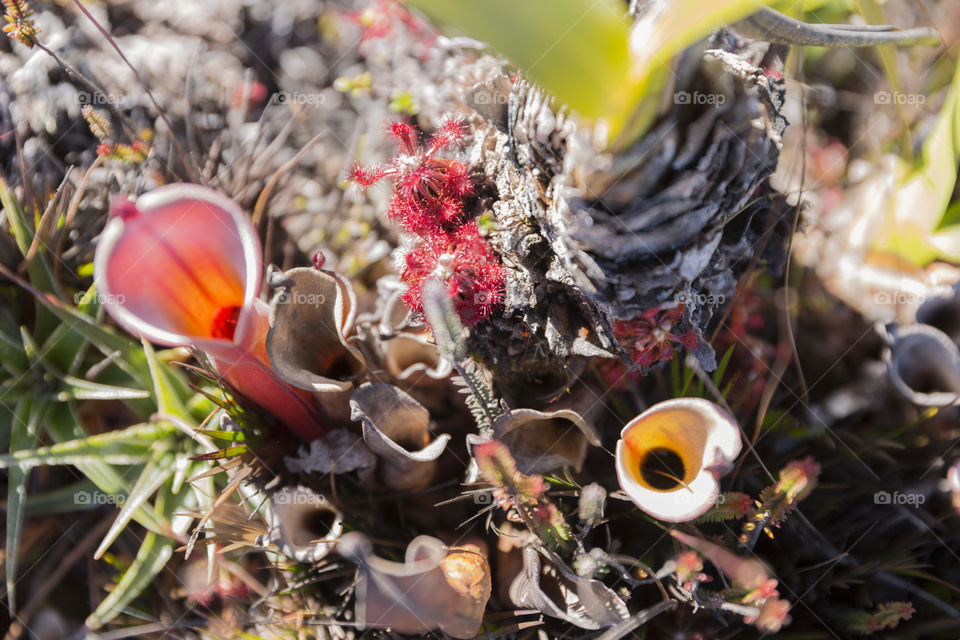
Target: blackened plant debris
column 671, row 223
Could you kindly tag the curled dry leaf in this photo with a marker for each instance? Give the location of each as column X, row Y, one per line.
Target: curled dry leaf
column 924, row 365
column 307, row 344
column 943, row 313
column 409, row 353
column 544, row 441
column 547, row 585
column 436, row 587
column 303, row 525
column 397, row 429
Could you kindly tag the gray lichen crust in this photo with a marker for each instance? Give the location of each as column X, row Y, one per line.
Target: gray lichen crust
column 588, row 239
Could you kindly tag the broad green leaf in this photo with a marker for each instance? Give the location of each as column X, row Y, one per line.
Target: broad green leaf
column 157, row 471
column 921, row 199
column 582, row 52
column 152, row 557
column 25, row 431
column 575, row 49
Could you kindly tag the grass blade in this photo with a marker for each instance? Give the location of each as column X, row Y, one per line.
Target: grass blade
column 24, row 433
column 153, row 555
column 157, row 471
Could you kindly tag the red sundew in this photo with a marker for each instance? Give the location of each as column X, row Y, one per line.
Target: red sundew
column 388, row 17
column 404, row 135
column 464, row 263
column 428, row 191
column 651, row 337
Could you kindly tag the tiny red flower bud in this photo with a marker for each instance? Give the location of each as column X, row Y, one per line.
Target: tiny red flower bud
column 318, row 260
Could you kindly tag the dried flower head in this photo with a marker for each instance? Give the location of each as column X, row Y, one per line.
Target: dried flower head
column 774, row 614
column 653, row 336
column 795, row 483
column 887, row 616
column 522, row 493
column 20, row 25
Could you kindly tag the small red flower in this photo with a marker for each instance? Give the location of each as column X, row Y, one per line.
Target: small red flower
column 384, row 18
column 464, row 262
column 652, row 337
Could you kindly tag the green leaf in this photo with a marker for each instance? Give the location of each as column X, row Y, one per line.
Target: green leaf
column 951, row 217
column 25, row 432
column 131, row 358
column 12, row 357
column 229, row 436
column 722, row 367
column 128, row 446
column 79, row 389
column 152, row 557
column 575, row 49
column 170, row 391
column 915, row 226
column 582, row 53
column 64, row 425
column 60, row 500
column 229, row 452
column 157, row 471
column 38, row 270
